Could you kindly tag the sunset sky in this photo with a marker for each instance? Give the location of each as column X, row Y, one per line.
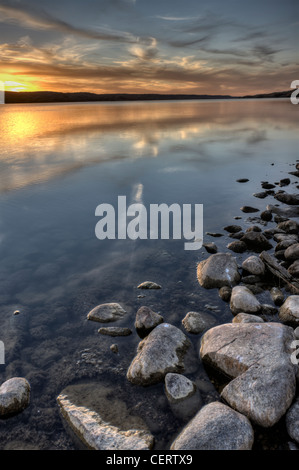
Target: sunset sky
column 149, row 46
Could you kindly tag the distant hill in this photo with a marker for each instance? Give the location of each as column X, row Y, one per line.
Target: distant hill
column 56, row 97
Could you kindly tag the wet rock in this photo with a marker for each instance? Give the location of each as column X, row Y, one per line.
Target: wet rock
column 257, row 358
column 225, row 293
column 214, row 234
column 247, row 318
column 261, row 195
column 183, row 396
column 267, row 185
column 289, row 311
column 106, row 313
column 290, row 199
column 256, row 241
column 292, row 252
column 233, row 228
column 285, row 237
column 294, row 268
column 216, row 427
column 101, row 420
column 284, row 182
column 242, row 180
column 115, row 331
column 284, row 244
column 268, row 309
column 253, row 228
column 196, row 322
column 162, row 351
column 218, row 270
column 237, row 246
column 114, row 348
column 254, row 265
column 289, row 226
column 210, row 247
column 277, row 296
column 146, row 320
column 14, row 396
column 148, row 285
column 251, row 279
column 243, row 301
column 285, row 212
column 292, row 421
column 236, row 236
column 249, row 209
column 266, row 215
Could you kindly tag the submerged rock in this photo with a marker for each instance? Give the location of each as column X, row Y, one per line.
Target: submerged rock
column 115, row 331
column 146, row 320
column 14, row 396
column 233, row 228
column 106, row 313
column 183, row 396
column 257, row 358
column 149, row 285
column 216, row 427
column 243, row 301
column 256, row 241
column 218, row 270
column 102, row 421
column 249, row 209
column 162, row 351
column 210, row 247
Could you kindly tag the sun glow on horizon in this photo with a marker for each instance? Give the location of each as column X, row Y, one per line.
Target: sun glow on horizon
column 22, row 85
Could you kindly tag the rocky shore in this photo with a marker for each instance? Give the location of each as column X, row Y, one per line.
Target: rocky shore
column 250, row 361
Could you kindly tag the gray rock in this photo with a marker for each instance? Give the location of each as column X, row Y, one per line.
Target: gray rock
column 285, row 212
column 292, row 421
column 218, row 270
column 257, row 358
column 290, row 199
column 216, row 427
column 196, row 322
column 248, row 209
column 115, row 331
column 14, row 396
column 289, row 226
column 148, row 285
column 102, row 421
column 277, row 295
column 286, row 237
column 210, row 247
column 247, row 318
column 106, row 313
column 243, row 301
column 261, row 195
column 254, row 265
column 237, row 246
column 289, row 311
column 292, row 252
column 233, row 228
column 183, row 396
column 294, row 268
column 256, row 241
column 225, row 293
column 146, row 320
column 266, row 215
column 162, row 351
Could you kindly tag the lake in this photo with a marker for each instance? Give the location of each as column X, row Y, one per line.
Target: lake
column 58, row 162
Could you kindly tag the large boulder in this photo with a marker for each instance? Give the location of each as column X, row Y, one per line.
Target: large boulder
column 162, row 351
column 101, row 420
column 256, row 356
column 216, row 427
column 146, row 320
column 218, row 270
column 244, row 301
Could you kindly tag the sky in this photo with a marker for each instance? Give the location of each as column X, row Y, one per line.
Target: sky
column 233, row 47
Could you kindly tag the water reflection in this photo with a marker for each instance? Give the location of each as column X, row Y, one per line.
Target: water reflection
column 40, row 142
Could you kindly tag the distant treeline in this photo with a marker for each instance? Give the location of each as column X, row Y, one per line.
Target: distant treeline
column 56, row 97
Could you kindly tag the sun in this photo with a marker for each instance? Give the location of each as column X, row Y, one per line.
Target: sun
column 17, row 87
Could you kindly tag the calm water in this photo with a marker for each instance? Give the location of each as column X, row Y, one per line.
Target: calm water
column 57, row 163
